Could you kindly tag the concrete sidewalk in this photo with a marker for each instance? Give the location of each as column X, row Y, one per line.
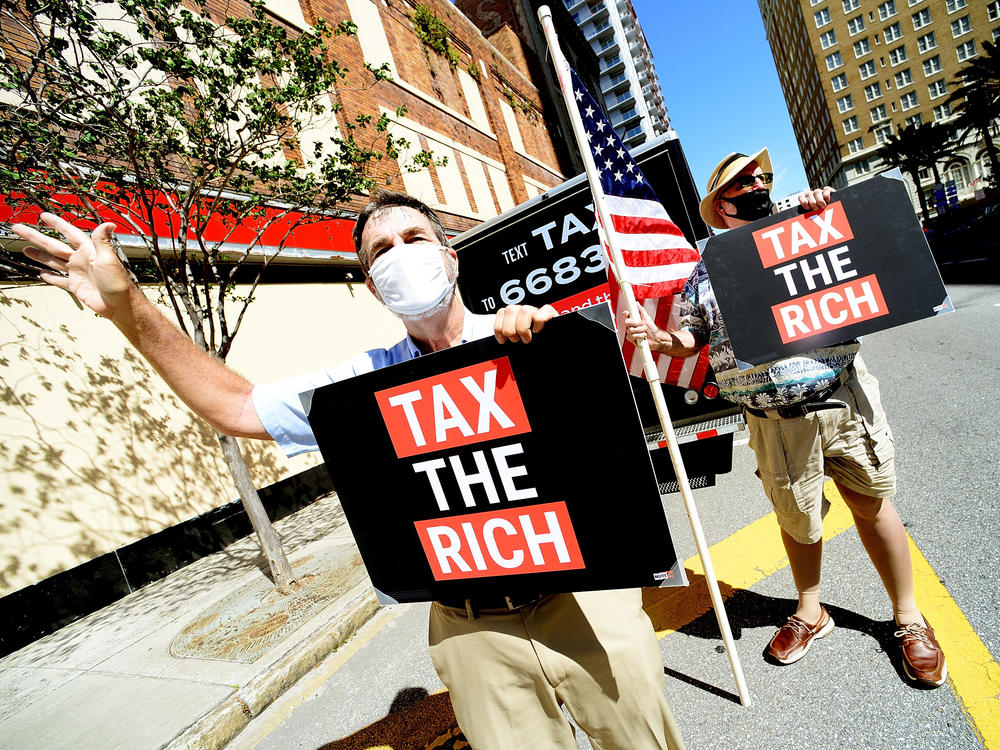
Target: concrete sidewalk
column 110, row 680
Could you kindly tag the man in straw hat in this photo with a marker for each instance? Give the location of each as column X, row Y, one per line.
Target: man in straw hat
column 810, row 415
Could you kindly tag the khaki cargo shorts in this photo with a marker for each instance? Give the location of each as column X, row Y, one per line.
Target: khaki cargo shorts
column 853, row 446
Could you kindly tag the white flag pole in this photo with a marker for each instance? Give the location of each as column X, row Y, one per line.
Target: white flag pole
column 649, row 365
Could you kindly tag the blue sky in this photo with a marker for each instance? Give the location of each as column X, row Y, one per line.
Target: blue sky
column 720, row 85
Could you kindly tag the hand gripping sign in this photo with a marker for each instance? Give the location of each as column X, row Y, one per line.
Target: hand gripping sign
column 799, row 281
column 498, row 470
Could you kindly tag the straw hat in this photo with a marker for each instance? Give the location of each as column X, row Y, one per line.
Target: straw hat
column 726, row 170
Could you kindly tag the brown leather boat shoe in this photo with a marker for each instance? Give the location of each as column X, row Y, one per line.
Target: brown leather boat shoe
column 923, row 659
column 794, row 638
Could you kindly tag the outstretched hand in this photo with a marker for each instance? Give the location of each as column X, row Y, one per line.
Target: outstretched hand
column 87, row 267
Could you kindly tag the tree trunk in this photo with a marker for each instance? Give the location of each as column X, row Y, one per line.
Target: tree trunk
column 925, row 212
column 270, row 544
column 991, row 152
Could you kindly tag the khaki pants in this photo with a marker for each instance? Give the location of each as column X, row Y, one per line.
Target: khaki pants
column 594, row 652
column 853, row 446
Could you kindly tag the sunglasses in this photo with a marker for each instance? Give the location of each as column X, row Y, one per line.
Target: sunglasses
column 749, row 180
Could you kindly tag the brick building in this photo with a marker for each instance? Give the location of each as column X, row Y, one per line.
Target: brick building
column 485, row 114
column 854, row 71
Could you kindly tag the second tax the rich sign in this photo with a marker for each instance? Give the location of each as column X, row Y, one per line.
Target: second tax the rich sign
column 798, row 281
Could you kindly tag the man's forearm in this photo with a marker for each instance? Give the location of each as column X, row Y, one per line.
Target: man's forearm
column 208, row 387
column 675, row 343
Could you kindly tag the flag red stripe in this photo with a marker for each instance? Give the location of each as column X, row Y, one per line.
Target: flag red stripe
column 644, row 225
column 663, row 257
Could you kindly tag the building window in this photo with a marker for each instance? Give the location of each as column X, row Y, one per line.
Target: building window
column 874, row 91
column 921, row 19
column 914, row 120
column 856, row 145
column 892, row 33
column 862, row 47
column 954, row 5
column 993, row 10
column 904, row 78
column 926, row 43
column 827, row 39
column 938, row 88
column 942, row 111
column 967, row 50
column 961, row 26
column 857, row 25
column 878, row 114
column 887, row 10
column 932, row 65
column 882, row 133
column 898, row 56
column 833, row 61
column 851, row 125
column 850, row 5
column 867, row 70
column 959, row 172
column 822, row 17
column 839, row 82
column 908, row 101
column 845, row 103
column 915, row 2
column 862, row 167
column 815, row 2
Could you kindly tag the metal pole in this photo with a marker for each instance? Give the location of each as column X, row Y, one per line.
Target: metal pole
column 649, row 366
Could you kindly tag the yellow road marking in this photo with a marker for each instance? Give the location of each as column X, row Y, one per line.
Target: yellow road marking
column 741, row 561
column 755, row 552
column 972, row 672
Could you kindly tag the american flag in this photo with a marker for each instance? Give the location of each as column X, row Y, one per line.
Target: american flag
column 657, row 257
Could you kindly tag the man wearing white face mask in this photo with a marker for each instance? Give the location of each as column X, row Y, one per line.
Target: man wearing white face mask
column 511, row 664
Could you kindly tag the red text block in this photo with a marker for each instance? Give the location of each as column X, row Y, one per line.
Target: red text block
column 532, row 539
column 461, row 407
column 801, row 235
column 829, row 309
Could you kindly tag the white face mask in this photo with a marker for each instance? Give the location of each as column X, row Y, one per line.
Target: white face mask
column 412, row 280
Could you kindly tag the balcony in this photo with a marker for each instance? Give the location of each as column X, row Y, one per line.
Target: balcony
column 627, row 119
column 572, row 5
column 634, row 136
column 623, row 101
column 613, row 65
column 602, row 30
column 617, row 83
column 598, row 11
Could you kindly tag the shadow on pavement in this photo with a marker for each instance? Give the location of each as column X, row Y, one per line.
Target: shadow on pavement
column 415, row 720
column 748, row 609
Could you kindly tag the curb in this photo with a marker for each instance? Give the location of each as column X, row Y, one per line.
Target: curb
column 215, row 729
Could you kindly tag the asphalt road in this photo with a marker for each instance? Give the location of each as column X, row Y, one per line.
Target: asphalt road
column 941, row 393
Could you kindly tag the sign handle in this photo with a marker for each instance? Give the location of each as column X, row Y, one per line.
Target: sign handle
column 649, row 366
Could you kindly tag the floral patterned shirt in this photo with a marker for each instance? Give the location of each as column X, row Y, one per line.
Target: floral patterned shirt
column 780, row 383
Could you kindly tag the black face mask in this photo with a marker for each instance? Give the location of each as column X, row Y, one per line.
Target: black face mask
column 751, row 206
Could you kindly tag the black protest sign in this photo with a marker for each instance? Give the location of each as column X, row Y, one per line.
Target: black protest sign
column 798, row 281
column 491, row 470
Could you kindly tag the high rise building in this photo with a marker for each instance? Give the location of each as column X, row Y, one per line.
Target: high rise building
column 629, row 83
column 603, row 41
column 854, row 71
